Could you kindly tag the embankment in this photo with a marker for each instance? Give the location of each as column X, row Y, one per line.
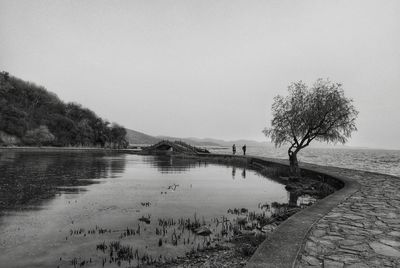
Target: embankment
column 282, row 247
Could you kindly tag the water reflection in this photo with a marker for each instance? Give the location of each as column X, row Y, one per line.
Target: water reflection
column 30, row 178
column 170, row 164
column 296, row 200
column 293, row 199
column 167, row 164
column 70, row 227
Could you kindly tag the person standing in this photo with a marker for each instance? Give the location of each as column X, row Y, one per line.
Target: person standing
column 244, row 149
column 234, row 149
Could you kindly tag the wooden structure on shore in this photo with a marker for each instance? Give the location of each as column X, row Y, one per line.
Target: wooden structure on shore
column 173, row 147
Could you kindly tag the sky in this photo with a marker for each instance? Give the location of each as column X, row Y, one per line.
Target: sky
column 208, row 68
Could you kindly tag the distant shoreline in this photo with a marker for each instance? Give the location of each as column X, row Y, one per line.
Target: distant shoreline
column 134, row 148
column 56, row 149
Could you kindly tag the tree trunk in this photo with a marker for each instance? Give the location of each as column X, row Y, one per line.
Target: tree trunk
column 294, row 164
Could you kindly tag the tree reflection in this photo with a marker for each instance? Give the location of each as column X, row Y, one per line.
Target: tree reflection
column 296, row 200
column 30, row 178
column 293, row 197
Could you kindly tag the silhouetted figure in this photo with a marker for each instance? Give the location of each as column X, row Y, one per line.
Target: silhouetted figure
column 244, row 149
column 244, row 173
column 233, row 172
column 234, row 149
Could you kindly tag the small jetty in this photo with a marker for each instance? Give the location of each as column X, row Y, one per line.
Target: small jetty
column 166, row 147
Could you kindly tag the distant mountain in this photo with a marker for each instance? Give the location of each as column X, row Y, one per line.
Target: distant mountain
column 192, row 141
column 136, row 137
column 244, row 141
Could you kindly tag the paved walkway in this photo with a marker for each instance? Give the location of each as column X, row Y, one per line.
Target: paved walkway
column 362, row 231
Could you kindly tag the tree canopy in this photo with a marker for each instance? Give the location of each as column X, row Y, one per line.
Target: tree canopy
column 321, row 113
column 36, row 116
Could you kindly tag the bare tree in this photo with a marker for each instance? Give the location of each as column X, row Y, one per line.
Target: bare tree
column 320, row 113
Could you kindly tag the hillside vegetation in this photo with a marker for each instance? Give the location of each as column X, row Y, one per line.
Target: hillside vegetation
column 136, row 137
column 31, row 115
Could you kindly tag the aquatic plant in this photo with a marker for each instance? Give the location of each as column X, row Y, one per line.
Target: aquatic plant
column 125, row 253
column 102, row 246
column 145, row 219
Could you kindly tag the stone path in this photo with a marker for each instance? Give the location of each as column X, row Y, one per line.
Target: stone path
column 362, row 231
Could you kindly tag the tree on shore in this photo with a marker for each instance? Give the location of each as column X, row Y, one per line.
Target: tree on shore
column 118, row 136
column 320, row 113
column 28, row 113
column 39, row 136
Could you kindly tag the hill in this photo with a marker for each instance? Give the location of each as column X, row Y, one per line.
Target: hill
column 191, row 141
column 237, row 142
column 31, row 115
column 136, row 137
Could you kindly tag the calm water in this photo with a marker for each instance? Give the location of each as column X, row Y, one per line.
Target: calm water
column 53, row 205
column 381, row 161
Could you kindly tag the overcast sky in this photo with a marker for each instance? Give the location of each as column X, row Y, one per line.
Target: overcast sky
column 207, row 68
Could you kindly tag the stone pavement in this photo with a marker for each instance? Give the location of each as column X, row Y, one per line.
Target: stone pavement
column 362, row 231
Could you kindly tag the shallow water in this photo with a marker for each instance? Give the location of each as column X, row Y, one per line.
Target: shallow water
column 375, row 160
column 53, row 205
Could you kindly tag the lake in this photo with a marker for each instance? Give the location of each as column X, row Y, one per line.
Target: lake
column 375, row 160
column 68, row 208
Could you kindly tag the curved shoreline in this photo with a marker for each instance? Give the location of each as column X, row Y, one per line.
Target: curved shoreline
column 281, row 248
column 355, row 226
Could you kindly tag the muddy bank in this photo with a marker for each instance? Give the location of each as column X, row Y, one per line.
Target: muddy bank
column 236, row 253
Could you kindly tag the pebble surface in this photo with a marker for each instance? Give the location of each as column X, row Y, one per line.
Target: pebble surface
column 362, row 231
